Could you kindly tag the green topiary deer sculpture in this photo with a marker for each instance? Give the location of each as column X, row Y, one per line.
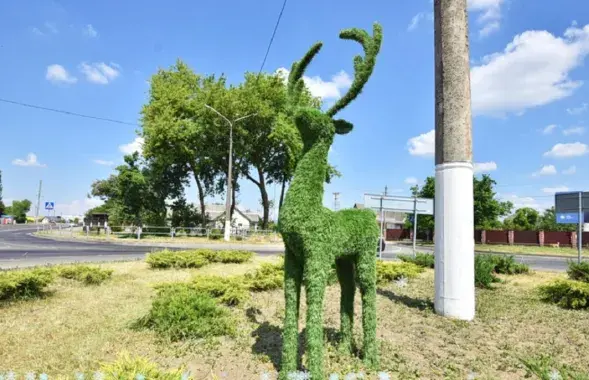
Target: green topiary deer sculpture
column 316, row 237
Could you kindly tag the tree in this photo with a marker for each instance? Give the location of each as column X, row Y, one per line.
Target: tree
column 487, row 209
column 19, row 210
column 547, row 222
column 524, row 219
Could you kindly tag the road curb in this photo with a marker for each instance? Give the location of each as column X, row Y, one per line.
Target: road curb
column 216, row 246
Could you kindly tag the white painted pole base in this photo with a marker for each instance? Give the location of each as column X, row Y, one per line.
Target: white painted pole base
column 454, row 241
column 227, row 232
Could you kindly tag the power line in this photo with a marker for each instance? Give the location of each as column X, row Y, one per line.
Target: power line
column 272, row 38
column 67, row 112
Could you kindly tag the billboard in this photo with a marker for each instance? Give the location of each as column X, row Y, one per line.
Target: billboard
column 409, row 205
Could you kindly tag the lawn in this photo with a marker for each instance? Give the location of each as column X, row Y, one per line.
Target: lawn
column 523, row 249
column 78, row 327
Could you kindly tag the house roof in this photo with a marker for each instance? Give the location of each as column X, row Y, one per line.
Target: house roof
column 216, row 210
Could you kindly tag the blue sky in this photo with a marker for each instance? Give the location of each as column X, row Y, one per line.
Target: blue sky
column 529, row 73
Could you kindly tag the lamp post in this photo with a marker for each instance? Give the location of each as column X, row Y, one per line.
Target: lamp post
column 227, row 231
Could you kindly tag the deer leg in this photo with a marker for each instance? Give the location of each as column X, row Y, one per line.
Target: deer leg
column 290, row 336
column 347, row 280
column 315, row 282
column 366, row 267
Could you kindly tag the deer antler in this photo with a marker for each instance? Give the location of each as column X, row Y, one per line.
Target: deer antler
column 295, row 82
column 362, row 66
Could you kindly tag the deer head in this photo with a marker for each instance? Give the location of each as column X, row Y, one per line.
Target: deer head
column 315, row 125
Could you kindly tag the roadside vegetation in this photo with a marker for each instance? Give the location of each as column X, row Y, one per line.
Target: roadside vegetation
column 151, row 317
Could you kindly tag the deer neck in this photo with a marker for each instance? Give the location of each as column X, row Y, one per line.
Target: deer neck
column 305, row 193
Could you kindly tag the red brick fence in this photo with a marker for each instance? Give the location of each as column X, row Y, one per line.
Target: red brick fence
column 538, row 238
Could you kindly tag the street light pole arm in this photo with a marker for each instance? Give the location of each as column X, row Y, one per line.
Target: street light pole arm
column 218, row 113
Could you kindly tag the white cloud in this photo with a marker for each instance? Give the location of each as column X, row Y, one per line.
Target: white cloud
column 490, row 15
column 481, row 167
column 418, row 18
column 51, row 27
column 568, row 150
column 90, row 31
column 552, row 190
column 36, row 31
column 323, row 89
column 573, row 131
column 31, row 160
column 104, row 162
column 100, row 72
column 549, row 129
column 77, row 207
column 578, row 110
column 423, row 145
column 533, row 70
column 569, row 171
column 546, row 170
column 520, row 202
column 58, row 74
column 411, row 180
column 134, row 146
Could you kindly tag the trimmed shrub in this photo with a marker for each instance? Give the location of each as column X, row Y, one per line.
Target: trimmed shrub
column 228, row 290
column 568, row 294
column 84, row 273
column 484, row 267
column 178, row 259
column 390, row 271
column 24, row 284
column 266, row 277
column 579, row 271
column 229, row 256
column 127, row 367
column 506, row 265
column 425, row 260
column 179, row 312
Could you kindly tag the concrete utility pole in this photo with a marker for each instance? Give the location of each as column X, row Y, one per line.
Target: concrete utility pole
column 38, row 202
column 335, row 201
column 454, row 219
column 227, row 231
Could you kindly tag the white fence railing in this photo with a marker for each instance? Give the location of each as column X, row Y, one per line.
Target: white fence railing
column 143, row 232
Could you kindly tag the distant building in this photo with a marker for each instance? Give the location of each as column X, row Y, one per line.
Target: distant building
column 393, row 220
column 242, row 219
column 6, row 219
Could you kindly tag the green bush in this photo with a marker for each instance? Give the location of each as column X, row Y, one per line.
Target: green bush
column 266, row 277
column 484, row 268
column 24, row 284
column 506, row 265
column 425, row 260
column 579, row 271
column 216, row 234
column 178, row 259
column 84, row 273
column 229, row 256
column 229, row 290
column 179, row 312
column 568, row 294
column 127, row 367
column 390, row 271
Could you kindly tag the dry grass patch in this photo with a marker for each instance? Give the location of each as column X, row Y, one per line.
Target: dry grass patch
column 80, row 327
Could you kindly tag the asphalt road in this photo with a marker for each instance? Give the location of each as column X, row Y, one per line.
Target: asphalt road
column 19, row 248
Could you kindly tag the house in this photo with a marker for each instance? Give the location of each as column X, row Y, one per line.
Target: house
column 393, row 220
column 51, row 219
column 243, row 219
column 6, row 219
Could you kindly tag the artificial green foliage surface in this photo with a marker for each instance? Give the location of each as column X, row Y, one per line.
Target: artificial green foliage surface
column 315, row 237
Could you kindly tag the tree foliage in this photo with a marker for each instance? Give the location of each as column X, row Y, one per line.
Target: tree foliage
column 524, row 219
column 547, row 222
column 19, row 210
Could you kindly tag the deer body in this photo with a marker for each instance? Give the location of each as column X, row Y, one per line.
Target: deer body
column 315, row 237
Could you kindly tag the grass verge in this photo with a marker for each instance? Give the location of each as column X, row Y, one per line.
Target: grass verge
column 80, row 327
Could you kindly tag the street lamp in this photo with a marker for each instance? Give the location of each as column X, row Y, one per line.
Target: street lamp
column 227, row 232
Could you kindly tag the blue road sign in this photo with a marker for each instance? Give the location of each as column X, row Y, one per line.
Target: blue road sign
column 49, row 205
column 567, row 218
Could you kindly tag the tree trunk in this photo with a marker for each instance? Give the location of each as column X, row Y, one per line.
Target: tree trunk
column 261, row 183
column 281, row 195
